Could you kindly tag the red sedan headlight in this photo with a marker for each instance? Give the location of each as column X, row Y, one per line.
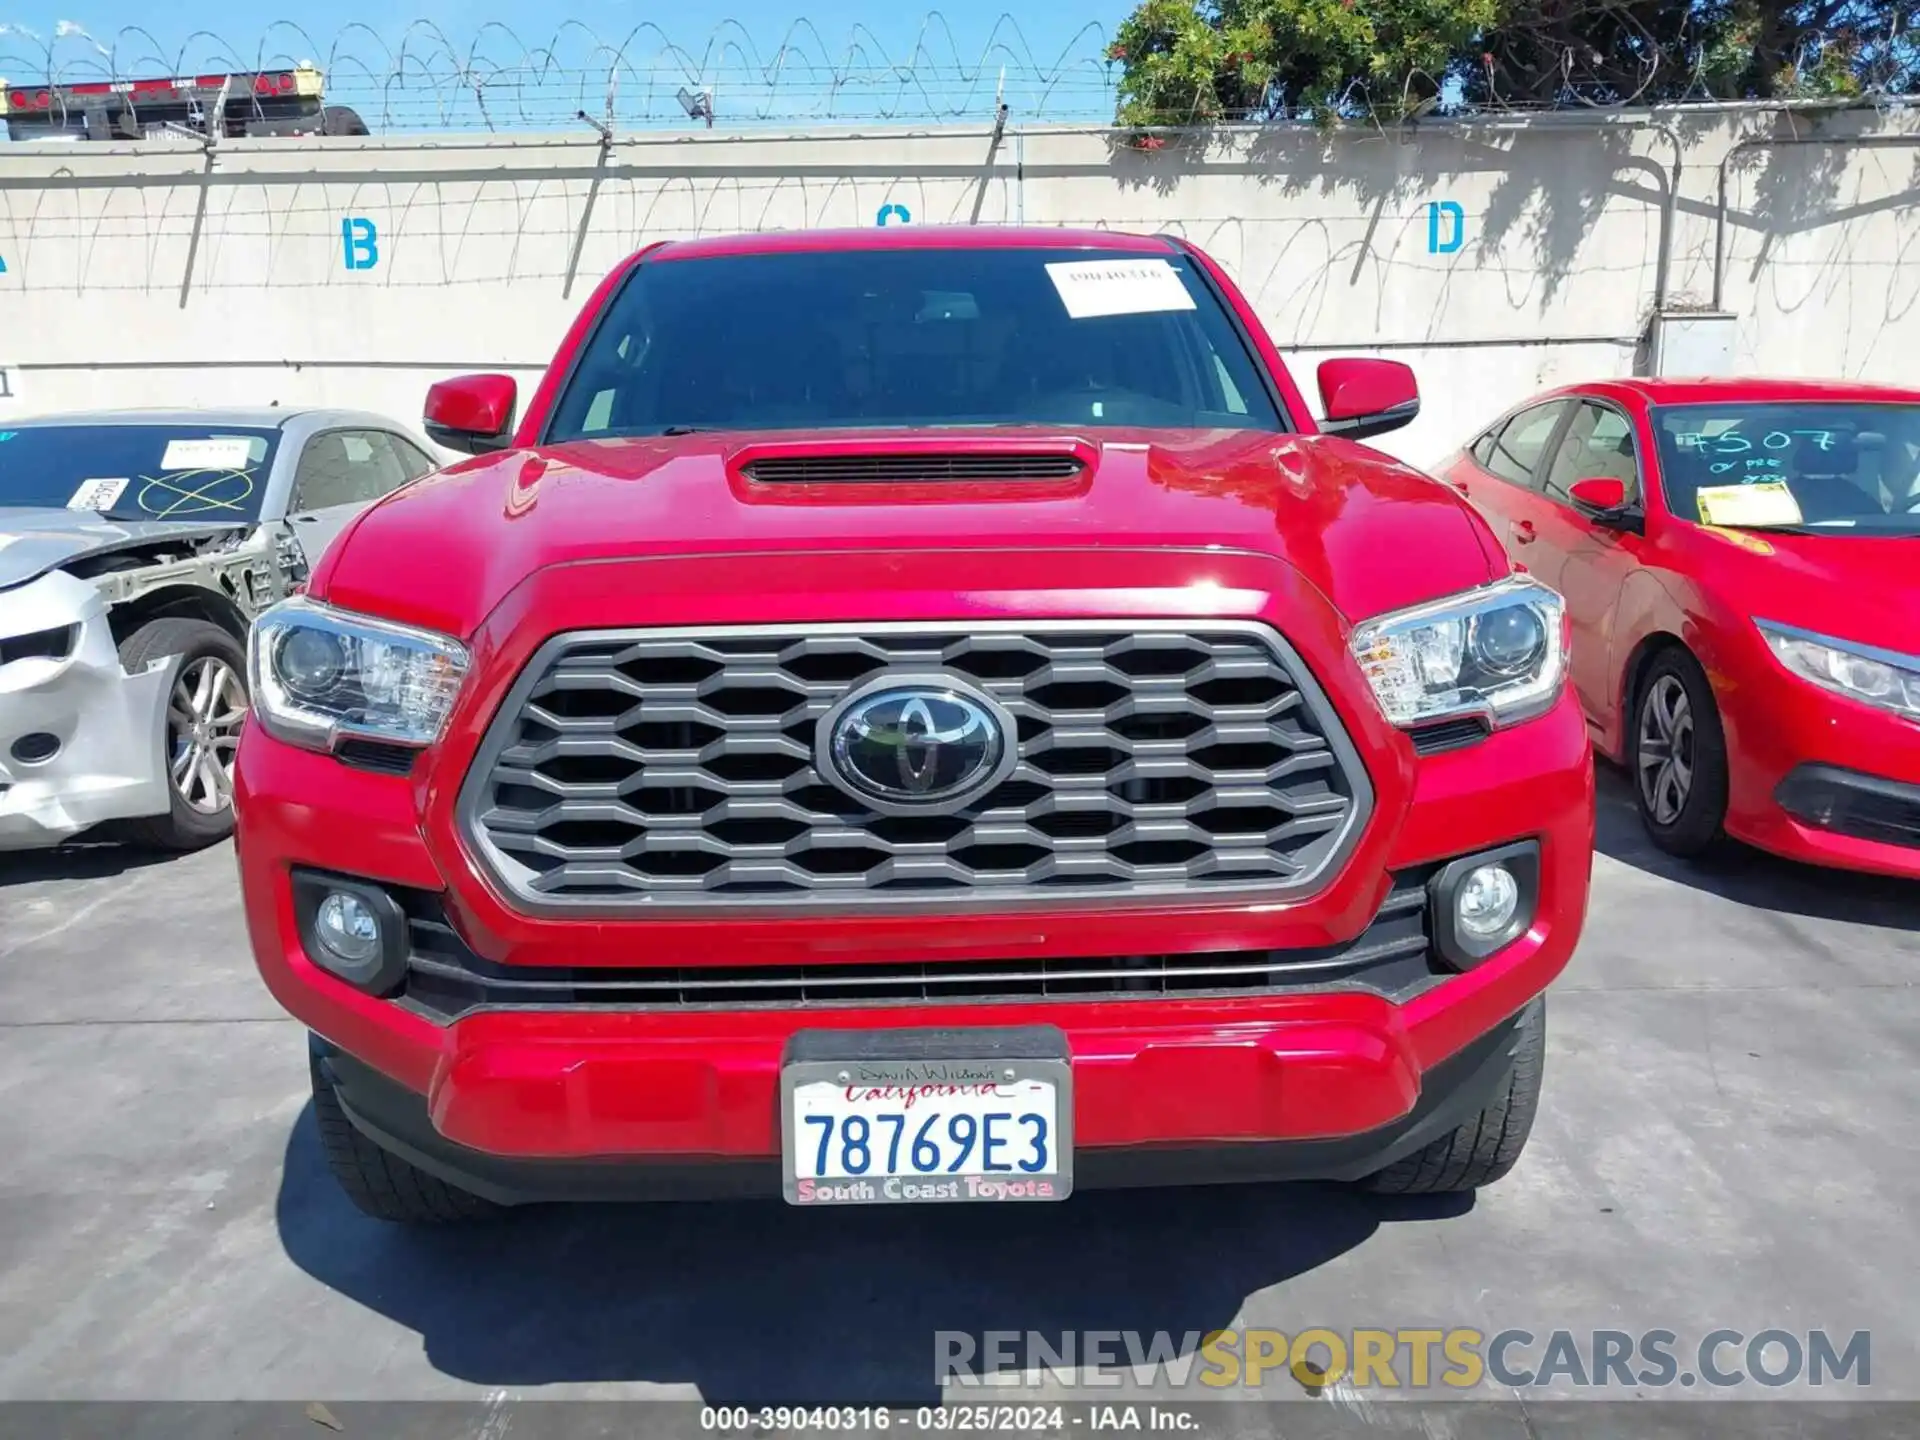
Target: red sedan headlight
column 1882, row 678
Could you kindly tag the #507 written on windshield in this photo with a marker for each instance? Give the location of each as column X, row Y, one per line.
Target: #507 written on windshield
column 1743, row 454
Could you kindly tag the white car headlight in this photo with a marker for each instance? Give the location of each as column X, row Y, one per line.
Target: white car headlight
column 1498, row 653
column 1862, row 672
column 319, row 675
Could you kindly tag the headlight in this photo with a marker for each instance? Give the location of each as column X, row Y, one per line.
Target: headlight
column 1875, row 677
column 319, row 674
column 1499, row 652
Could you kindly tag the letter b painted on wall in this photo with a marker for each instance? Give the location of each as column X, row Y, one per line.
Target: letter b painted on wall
column 1445, row 238
column 359, row 243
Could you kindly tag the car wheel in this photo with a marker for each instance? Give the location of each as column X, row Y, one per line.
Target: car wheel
column 377, row 1181
column 1678, row 756
column 1485, row 1148
column 206, row 705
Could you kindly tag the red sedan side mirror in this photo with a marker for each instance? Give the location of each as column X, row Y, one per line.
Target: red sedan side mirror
column 1366, row 397
column 1598, row 492
column 473, row 413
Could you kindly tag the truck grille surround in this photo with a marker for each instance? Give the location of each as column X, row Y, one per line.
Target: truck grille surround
column 683, row 769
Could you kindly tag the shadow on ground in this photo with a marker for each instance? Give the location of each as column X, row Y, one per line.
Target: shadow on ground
column 758, row 1302
column 77, row 862
column 1749, row 877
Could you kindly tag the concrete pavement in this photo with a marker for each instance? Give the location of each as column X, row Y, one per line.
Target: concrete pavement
column 1730, row 1138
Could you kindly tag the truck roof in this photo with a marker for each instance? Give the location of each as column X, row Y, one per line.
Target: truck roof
column 912, row 237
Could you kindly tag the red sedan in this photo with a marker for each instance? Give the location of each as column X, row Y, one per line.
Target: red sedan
column 1741, row 565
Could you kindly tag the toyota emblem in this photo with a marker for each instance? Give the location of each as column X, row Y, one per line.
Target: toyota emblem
column 907, row 746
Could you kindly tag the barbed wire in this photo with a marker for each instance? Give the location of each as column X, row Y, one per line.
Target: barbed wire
column 425, row 79
column 422, row 79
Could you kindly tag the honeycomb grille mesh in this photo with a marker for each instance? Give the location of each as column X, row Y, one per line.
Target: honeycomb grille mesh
column 678, row 768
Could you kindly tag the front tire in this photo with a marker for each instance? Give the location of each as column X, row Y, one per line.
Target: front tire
column 378, row 1182
column 206, row 705
column 1677, row 753
column 1485, row 1148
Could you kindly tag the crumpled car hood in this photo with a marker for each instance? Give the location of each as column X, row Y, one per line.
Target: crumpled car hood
column 36, row 540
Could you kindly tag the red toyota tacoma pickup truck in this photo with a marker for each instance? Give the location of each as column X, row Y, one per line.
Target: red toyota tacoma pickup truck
column 914, row 715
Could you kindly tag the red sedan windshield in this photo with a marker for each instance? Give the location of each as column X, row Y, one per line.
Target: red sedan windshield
column 1829, row 468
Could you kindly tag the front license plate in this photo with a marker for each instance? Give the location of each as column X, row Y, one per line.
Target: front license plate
column 901, row 1128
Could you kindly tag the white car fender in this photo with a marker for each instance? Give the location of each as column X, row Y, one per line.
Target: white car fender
column 106, row 725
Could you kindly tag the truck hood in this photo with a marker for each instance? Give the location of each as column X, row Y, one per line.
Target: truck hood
column 1370, row 533
column 35, row 540
column 1864, row 588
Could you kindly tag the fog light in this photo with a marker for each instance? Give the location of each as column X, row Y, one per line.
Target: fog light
column 1482, row 903
column 1486, row 903
column 37, row 748
column 347, row 929
column 352, row 929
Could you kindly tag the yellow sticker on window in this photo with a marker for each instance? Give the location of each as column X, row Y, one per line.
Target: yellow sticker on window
column 1769, row 502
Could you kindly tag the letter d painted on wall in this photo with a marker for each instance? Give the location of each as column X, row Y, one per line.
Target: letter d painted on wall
column 1451, row 209
column 359, row 243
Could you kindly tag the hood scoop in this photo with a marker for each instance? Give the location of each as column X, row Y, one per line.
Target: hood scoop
column 913, row 466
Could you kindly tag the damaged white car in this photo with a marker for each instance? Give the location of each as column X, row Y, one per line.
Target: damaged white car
column 135, row 549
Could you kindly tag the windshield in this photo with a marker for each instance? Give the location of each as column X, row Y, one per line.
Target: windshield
column 1822, row 468
column 138, row 472
column 860, row 338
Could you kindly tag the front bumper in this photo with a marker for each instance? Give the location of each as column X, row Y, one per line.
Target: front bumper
column 402, row 1122
column 104, row 727
column 1816, row 777
column 539, row 1101
column 1873, row 818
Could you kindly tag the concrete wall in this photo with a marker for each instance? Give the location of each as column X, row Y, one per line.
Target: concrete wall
column 1494, row 257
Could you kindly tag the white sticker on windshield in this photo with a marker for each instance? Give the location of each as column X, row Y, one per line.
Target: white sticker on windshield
column 1091, row 288
column 228, row 454
column 1767, row 502
column 98, row 494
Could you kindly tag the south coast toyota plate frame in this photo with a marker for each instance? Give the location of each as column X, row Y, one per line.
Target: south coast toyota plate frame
column 1014, row 1057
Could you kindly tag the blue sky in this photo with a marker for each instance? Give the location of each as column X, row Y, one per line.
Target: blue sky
column 852, row 60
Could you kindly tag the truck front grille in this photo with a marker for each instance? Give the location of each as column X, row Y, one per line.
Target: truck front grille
column 677, row 769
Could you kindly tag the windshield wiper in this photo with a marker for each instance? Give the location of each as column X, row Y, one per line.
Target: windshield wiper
column 684, row 430
column 1767, row 529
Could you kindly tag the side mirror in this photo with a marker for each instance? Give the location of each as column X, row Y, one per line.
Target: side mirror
column 1603, row 500
column 1598, row 492
column 473, row 413
column 1366, row 397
